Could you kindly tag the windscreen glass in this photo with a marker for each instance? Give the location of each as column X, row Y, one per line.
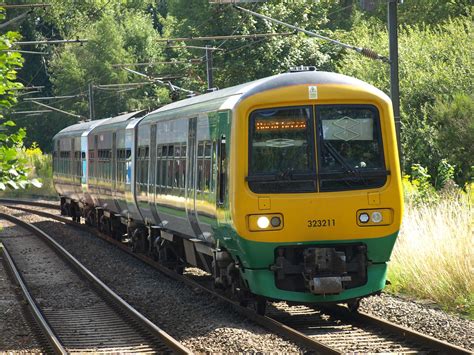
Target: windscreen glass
column 282, row 150
column 350, row 147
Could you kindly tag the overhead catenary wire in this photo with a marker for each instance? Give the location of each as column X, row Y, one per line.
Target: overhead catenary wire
column 44, row 98
column 52, row 41
column 25, row 52
column 57, row 109
column 226, row 37
column 245, row 46
column 197, row 47
column 364, row 51
column 173, row 87
column 146, row 64
column 29, row 88
column 18, row 6
column 29, row 112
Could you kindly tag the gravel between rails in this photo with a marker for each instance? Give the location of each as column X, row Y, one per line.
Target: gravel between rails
column 16, row 331
column 201, row 323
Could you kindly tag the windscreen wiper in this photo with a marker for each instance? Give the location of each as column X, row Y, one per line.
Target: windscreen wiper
column 348, row 169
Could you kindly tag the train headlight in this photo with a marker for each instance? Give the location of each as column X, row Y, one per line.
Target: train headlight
column 275, row 222
column 364, row 218
column 378, row 217
column 263, row 222
column 266, row 222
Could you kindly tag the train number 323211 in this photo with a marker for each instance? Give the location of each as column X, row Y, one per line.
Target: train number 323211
column 318, row 223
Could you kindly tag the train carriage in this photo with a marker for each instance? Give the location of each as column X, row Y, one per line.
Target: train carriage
column 286, row 188
column 70, row 161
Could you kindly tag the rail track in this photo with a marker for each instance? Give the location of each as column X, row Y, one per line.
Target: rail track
column 334, row 330
column 95, row 319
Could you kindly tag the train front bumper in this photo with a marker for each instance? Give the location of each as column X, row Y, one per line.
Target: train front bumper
column 262, row 282
column 301, row 279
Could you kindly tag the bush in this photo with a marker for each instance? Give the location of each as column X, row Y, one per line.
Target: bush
column 39, row 168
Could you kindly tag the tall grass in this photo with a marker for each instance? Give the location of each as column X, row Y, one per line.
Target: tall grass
column 433, row 257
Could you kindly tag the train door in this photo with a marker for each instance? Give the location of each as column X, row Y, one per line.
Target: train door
column 114, row 163
column 152, row 176
column 191, row 172
column 115, row 195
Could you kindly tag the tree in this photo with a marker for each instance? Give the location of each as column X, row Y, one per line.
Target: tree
column 13, row 171
column 246, row 60
column 433, row 67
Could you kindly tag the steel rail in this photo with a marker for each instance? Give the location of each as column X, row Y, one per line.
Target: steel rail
column 270, row 323
column 52, row 338
column 51, row 205
column 409, row 334
column 173, row 344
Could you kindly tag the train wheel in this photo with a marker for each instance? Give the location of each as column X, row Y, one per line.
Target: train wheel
column 353, row 305
column 260, row 305
column 179, row 269
column 102, row 224
column 138, row 241
column 116, row 234
column 90, row 220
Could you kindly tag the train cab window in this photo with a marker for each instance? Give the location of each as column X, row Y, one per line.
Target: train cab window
column 350, row 147
column 281, row 150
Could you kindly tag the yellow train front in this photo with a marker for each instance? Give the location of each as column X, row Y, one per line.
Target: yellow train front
column 314, row 195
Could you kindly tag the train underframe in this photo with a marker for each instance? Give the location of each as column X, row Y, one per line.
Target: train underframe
column 320, row 270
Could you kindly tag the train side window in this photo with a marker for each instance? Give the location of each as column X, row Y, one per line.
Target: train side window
column 207, row 166
column 183, row 166
column 169, row 167
column 158, row 169
column 91, row 163
column 200, row 167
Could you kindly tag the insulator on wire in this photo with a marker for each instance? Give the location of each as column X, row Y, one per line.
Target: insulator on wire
column 369, row 53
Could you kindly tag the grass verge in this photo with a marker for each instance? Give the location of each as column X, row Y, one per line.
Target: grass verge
column 433, row 257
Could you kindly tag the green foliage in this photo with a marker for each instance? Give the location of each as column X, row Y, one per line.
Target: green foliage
column 417, row 186
column 413, row 12
column 434, row 70
column 13, row 170
column 454, row 123
column 39, row 166
column 247, row 60
column 113, row 39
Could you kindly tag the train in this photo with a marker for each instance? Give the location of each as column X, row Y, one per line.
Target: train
column 284, row 188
